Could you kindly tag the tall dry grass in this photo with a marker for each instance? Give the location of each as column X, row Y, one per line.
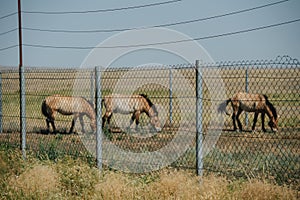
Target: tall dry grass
column 74, row 179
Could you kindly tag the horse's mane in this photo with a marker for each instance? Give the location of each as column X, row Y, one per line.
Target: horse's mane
column 150, row 103
column 273, row 109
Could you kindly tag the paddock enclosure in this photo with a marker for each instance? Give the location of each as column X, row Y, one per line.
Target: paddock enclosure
column 174, row 89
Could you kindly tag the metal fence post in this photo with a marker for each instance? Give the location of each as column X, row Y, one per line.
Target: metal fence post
column 22, row 112
column 246, row 90
column 170, row 95
column 99, row 118
column 199, row 130
column 1, row 121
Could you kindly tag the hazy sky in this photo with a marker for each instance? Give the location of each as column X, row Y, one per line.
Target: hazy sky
column 53, row 42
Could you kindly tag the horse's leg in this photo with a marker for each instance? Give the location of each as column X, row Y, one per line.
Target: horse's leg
column 105, row 117
column 73, row 123
column 137, row 120
column 103, row 121
column 132, row 119
column 72, row 126
column 81, row 123
column 238, row 120
column 233, row 121
column 53, row 125
column 48, row 125
column 254, row 121
column 234, row 114
column 108, row 119
column 51, row 119
column 48, row 121
column 263, row 122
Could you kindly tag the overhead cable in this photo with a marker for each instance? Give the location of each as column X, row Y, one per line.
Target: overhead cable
column 9, row 47
column 9, row 31
column 8, row 15
column 156, row 26
column 167, row 42
column 100, row 10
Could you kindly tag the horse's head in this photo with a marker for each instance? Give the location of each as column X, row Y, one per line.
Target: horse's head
column 273, row 123
column 154, row 120
column 156, row 123
column 152, row 113
column 93, row 125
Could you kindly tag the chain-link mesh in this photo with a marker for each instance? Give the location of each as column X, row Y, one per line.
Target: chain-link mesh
column 261, row 154
column 240, row 154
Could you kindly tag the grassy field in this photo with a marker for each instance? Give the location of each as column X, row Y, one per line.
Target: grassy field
column 70, row 178
column 246, row 155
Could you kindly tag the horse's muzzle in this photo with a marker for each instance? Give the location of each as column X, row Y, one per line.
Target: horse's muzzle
column 158, row 129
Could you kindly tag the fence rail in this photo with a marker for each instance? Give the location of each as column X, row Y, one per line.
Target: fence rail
column 186, row 107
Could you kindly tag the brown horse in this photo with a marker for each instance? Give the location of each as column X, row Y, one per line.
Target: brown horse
column 130, row 104
column 256, row 103
column 68, row 105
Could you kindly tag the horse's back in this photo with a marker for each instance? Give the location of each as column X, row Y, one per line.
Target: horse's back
column 67, row 105
column 124, row 104
column 250, row 102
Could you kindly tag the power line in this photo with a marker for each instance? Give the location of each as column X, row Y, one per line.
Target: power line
column 9, row 47
column 156, row 26
column 101, row 10
column 9, row 31
column 168, row 42
column 8, row 15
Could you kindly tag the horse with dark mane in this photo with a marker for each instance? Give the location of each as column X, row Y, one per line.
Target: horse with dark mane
column 68, row 105
column 256, row 103
column 130, row 104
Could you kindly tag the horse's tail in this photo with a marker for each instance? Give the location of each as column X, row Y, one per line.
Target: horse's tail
column 44, row 109
column 102, row 103
column 223, row 105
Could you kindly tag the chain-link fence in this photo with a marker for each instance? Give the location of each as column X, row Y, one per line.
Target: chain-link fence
column 174, row 91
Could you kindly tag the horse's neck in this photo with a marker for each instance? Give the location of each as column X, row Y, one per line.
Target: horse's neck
column 270, row 113
column 91, row 112
column 151, row 112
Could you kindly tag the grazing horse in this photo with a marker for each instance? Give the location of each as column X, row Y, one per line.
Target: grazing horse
column 256, row 103
column 130, row 104
column 68, row 105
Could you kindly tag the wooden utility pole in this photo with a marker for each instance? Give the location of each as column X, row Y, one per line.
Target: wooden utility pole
column 20, row 34
column 22, row 87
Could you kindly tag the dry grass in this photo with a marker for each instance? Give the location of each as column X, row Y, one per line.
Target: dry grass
column 40, row 180
column 74, row 179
